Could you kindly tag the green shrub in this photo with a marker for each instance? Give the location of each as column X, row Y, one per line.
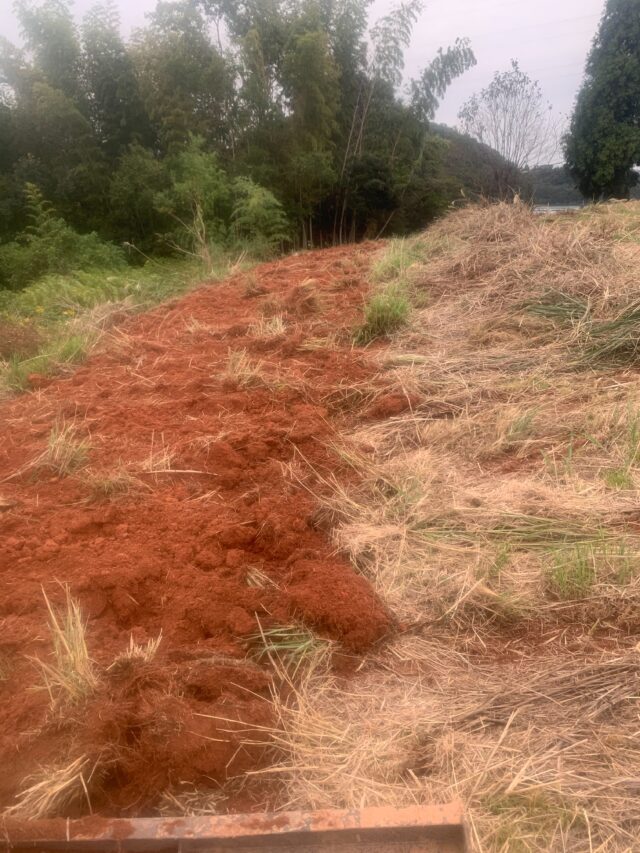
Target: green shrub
column 258, row 218
column 49, row 245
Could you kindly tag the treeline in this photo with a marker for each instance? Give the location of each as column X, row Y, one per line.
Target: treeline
column 263, row 122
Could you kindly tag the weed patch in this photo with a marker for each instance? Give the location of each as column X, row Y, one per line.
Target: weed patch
column 385, row 313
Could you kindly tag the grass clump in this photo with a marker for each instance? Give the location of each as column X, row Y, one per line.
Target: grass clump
column 52, row 791
column 616, row 341
column 573, row 574
column 70, row 677
column 243, row 371
column 64, row 453
column 268, row 327
column 138, row 652
column 288, row 645
column 385, row 313
column 110, row 484
column 401, row 254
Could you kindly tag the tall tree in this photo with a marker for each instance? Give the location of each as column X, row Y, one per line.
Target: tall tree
column 603, row 143
column 185, row 82
column 51, row 36
column 115, row 107
column 512, row 116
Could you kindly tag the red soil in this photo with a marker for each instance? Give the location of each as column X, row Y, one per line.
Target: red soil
column 177, row 554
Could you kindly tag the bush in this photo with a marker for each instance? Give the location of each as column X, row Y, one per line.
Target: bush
column 49, row 245
column 258, row 218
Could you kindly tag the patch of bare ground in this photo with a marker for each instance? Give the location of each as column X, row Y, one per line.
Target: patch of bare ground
column 495, row 509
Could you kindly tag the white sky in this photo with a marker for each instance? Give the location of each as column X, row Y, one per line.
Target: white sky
column 550, row 38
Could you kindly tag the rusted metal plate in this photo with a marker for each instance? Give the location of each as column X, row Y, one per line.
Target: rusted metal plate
column 431, row 829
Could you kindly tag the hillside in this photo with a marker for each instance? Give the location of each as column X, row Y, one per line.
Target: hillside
column 476, row 170
column 358, row 527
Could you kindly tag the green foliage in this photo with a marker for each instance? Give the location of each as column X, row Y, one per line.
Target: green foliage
column 198, row 198
column 145, row 142
column 138, row 180
column 258, row 217
column 49, row 245
column 603, row 143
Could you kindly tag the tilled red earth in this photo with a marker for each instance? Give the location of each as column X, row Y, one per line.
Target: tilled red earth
column 213, row 536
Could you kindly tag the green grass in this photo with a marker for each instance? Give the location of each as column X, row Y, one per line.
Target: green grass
column 615, row 341
column 56, row 304
column 558, row 306
column 401, row 254
column 289, row 645
column 528, row 821
column 385, row 313
column 573, row 574
column 575, row 571
column 618, row 478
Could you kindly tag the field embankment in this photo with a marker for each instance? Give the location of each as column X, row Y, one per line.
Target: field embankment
column 203, row 483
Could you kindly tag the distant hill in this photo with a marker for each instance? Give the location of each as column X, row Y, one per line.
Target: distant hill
column 477, row 170
column 553, row 185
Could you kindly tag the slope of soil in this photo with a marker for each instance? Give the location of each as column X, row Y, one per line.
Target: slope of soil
column 184, row 519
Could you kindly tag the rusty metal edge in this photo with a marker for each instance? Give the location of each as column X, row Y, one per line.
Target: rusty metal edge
column 449, row 816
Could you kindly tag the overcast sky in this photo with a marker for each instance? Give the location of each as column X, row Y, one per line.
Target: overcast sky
column 550, row 38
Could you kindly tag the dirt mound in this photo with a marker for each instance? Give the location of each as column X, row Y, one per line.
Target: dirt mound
column 158, row 482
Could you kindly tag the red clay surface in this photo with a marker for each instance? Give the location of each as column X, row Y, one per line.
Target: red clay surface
column 179, row 553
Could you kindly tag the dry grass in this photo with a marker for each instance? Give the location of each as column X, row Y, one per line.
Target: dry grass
column 138, row 652
column 244, row 371
column 543, row 752
column 498, row 518
column 269, row 327
column 53, row 791
column 191, row 802
column 65, row 452
column 70, row 677
column 161, row 457
column 113, row 483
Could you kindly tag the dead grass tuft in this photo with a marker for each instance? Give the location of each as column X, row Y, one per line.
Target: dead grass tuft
column 65, row 452
column 52, row 791
column 244, row 371
column 70, row 677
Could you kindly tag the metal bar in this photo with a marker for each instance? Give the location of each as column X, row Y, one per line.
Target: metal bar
column 437, row 828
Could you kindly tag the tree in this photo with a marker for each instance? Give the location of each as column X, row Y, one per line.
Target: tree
column 512, row 117
column 603, row 143
column 258, row 216
column 198, row 200
column 140, row 177
column 51, row 37
column 51, row 131
column 185, row 82
column 115, row 107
